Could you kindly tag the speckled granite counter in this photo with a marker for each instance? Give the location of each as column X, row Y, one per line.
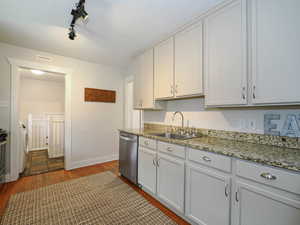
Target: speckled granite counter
column 281, row 157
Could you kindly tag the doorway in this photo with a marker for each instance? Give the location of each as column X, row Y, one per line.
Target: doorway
column 133, row 118
column 15, row 137
column 41, row 118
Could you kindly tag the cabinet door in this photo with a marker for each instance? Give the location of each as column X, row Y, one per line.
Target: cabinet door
column 137, row 91
column 170, row 181
column 164, row 69
column 225, row 56
column 207, row 197
column 276, row 51
column 147, row 79
column 188, row 62
column 147, row 169
column 257, row 206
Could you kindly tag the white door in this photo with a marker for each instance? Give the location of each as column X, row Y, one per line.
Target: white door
column 276, row 51
column 188, row 62
column 225, row 56
column 132, row 116
column 170, row 181
column 258, row 206
column 207, row 197
column 164, row 69
column 56, row 136
column 147, row 169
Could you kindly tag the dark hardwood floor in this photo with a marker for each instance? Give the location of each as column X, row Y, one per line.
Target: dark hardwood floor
column 41, row 180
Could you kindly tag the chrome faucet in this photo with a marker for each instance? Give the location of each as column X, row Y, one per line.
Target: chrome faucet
column 182, row 117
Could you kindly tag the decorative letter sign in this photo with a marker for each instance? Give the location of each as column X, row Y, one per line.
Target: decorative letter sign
column 97, row 95
column 290, row 126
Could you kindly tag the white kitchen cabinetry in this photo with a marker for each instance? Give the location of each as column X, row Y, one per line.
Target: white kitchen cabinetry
column 144, row 82
column 260, row 206
column 147, row 169
column 170, row 181
column 275, row 36
column 189, row 62
column 207, row 196
column 225, row 56
column 164, row 70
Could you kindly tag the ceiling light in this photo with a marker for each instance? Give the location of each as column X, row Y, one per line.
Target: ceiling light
column 37, row 72
column 77, row 13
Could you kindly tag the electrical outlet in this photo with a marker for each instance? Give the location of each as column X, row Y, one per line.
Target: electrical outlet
column 252, row 124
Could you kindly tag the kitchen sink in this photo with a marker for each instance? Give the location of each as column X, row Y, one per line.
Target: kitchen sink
column 174, row 136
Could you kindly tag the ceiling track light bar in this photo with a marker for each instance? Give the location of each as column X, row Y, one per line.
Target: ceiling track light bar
column 78, row 12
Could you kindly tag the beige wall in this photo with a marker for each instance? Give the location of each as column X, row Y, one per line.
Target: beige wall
column 94, row 125
column 41, row 96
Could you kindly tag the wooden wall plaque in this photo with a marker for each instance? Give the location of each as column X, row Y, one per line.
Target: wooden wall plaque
column 98, row 95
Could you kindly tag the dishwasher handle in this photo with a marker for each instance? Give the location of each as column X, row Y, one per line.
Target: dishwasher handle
column 126, row 138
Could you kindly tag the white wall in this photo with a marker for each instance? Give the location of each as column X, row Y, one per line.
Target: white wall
column 94, row 125
column 41, row 96
column 238, row 119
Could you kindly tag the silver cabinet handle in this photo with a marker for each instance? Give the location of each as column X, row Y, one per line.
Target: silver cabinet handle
column 237, row 196
column 169, row 149
column 153, row 161
column 254, row 95
column 157, row 162
column 172, row 89
column 268, row 176
column 176, row 88
column 243, row 93
column 226, row 190
column 206, row 159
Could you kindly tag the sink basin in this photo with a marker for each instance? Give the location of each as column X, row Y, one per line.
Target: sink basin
column 174, row 136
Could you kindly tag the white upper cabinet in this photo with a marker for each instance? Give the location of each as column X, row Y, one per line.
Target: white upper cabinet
column 225, row 56
column 164, row 69
column 275, row 36
column 144, row 82
column 189, row 62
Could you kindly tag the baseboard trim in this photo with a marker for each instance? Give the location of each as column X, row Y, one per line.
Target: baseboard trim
column 90, row 162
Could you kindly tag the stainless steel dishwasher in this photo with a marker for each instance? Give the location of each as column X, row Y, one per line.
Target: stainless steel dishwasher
column 128, row 156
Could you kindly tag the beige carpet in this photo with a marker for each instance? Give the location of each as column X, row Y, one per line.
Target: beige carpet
column 93, row 200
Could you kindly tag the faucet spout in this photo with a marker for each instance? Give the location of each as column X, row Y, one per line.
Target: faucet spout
column 182, row 117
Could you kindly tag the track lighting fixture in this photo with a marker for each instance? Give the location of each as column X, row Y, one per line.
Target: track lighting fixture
column 77, row 13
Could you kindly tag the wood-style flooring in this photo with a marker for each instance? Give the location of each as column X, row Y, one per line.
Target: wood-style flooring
column 41, row 180
column 38, row 162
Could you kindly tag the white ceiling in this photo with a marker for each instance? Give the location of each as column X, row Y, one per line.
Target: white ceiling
column 54, row 77
column 117, row 29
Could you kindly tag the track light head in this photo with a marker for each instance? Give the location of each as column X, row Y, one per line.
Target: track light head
column 72, row 33
column 77, row 13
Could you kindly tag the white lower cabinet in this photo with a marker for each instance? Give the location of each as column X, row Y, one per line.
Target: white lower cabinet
column 263, row 206
column 147, row 169
column 212, row 193
column 170, row 181
column 207, row 196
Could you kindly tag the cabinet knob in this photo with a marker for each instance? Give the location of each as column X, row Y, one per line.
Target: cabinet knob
column 169, row 149
column 206, row 159
column 268, row 176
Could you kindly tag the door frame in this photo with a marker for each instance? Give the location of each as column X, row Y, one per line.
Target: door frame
column 14, row 113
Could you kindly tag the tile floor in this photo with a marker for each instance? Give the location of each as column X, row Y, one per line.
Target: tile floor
column 38, row 162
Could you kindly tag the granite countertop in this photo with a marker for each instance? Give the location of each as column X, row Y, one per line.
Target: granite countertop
column 281, row 157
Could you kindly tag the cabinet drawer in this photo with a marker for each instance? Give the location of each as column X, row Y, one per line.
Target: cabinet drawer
column 148, row 143
column 288, row 181
column 171, row 149
column 210, row 159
